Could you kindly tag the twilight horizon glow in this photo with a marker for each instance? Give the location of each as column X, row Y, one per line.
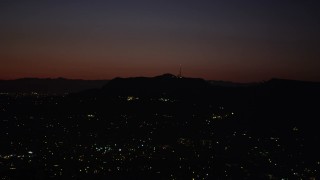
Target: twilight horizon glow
column 240, row 41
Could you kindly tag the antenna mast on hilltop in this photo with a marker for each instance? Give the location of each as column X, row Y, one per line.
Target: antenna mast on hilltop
column 180, row 72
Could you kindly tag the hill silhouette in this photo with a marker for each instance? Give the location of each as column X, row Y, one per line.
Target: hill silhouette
column 57, row 86
column 167, row 84
column 288, row 100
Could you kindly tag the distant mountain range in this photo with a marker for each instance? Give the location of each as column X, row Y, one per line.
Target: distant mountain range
column 57, row 86
column 265, row 105
column 166, row 83
column 285, row 95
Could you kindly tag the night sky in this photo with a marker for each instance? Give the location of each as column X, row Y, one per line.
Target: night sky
column 241, row 41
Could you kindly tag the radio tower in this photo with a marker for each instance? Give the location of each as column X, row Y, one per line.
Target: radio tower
column 180, row 72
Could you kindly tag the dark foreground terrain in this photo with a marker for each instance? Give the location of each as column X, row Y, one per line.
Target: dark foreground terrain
column 163, row 128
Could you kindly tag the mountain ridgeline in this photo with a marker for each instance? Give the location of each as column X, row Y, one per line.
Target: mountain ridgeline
column 275, row 92
column 50, row 86
column 166, row 85
column 268, row 105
